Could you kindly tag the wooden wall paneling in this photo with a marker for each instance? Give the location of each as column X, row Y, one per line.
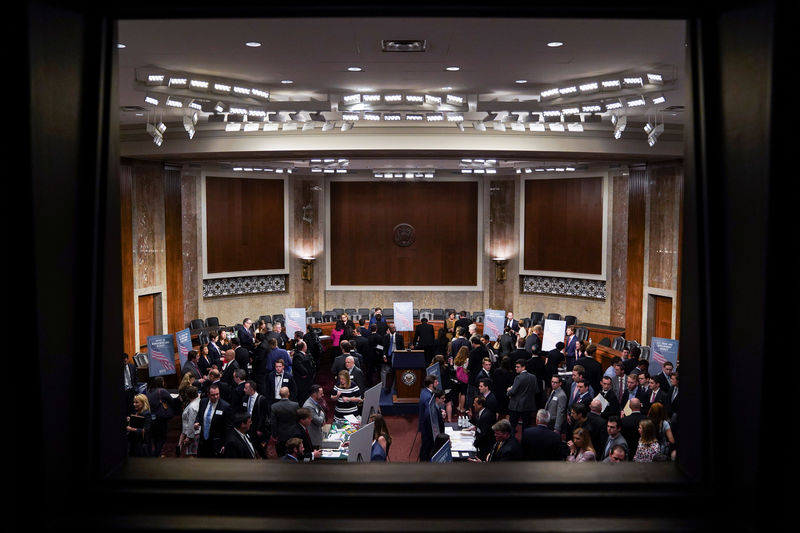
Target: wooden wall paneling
column 190, row 221
column 308, row 238
column 662, row 226
column 637, row 195
column 564, row 225
column 148, row 224
column 679, row 259
column 244, row 224
column 363, row 216
column 617, row 275
column 173, row 247
column 126, row 259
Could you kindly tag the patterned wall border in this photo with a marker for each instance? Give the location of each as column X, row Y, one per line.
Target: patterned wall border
column 244, row 285
column 584, row 288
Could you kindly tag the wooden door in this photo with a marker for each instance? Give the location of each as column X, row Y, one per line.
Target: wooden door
column 662, row 317
column 147, row 322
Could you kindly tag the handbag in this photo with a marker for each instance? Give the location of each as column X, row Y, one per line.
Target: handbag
column 461, row 375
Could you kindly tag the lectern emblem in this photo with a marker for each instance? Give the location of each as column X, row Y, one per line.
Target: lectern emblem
column 404, row 234
column 408, row 378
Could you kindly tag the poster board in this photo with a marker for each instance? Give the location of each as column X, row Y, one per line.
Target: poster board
column 661, row 351
column 295, row 320
column 554, row 331
column 360, row 445
column 493, row 322
column 184, row 341
column 161, row 354
column 404, row 316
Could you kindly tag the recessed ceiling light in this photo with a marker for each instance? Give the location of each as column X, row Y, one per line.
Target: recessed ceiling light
column 555, row 44
column 453, row 68
column 287, row 82
column 448, row 88
column 354, row 69
column 253, row 44
column 120, row 45
column 521, row 81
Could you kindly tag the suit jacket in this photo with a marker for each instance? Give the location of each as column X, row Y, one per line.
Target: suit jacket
column 626, row 397
column 518, row 355
column 476, row 356
column 357, row 376
column 572, row 343
column 237, row 448
column 303, row 372
column 457, row 343
column 514, row 324
column 664, row 382
column 288, row 381
column 242, row 356
column 260, row 360
column 362, row 345
column 533, row 344
column 479, row 375
column 227, row 374
column 260, row 418
column 399, row 343
column 612, row 409
column 224, row 389
column 491, row 402
column 221, row 424
column 540, row 443
column 424, row 400
column 245, row 338
column 237, row 398
column 511, row 450
column 629, row 428
column 462, row 322
column 609, row 445
column 279, row 353
column 598, row 430
column 484, row 436
column 522, row 396
column 338, row 363
column 214, row 354
column 507, row 345
column 628, row 365
column 308, row 447
column 424, row 336
column 283, row 419
column 594, row 371
column 556, row 405
column 282, row 338
column 554, row 358
column 376, row 348
column 317, row 421
column 661, row 397
column 190, row 366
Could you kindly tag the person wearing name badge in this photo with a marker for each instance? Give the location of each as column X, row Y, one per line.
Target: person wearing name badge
column 347, row 396
column 213, row 423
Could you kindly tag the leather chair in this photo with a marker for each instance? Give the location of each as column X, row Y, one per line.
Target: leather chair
column 537, row 318
column 618, row 344
column 553, row 316
column 212, row 321
column 605, row 342
column 278, row 318
column 645, row 352
column 570, row 320
column 582, row 333
column 438, row 314
column 196, row 324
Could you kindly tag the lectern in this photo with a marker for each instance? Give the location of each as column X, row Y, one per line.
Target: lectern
column 409, row 371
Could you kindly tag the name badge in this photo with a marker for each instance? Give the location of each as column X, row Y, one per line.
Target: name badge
column 218, row 412
column 286, row 380
column 378, row 346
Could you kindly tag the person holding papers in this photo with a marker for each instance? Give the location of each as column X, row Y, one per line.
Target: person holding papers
column 139, row 430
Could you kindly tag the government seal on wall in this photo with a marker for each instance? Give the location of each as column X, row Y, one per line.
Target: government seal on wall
column 404, row 234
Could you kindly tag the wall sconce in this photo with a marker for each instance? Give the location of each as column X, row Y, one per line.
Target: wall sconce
column 500, row 268
column 307, row 272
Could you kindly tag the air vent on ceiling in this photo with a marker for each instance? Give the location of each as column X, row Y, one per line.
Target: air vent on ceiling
column 403, row 45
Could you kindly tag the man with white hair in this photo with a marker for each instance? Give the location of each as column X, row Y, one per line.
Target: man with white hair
column 540, row 443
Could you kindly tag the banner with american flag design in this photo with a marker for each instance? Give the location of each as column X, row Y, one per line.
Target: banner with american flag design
column 161, row 354
column 661, row 351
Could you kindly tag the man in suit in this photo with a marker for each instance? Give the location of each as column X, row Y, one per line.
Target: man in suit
column 294, row 450
column 241, row 354
column 597, row 426
column 214, row 378
column 554, row 358
column 608, row 394
column 237, row 392
column 303, row 373
column 593, row 370
column 391, row 343
column 571, row 346
column 214, row 354
column 571, row 385
column 423, row 421
column 377, row 320
column 484, row 373
column 278, row 379
column 260, row 361
column 630, row 362
column 213, row 422
column 279, row 335
column 301, row 431
column 374, row 361
column 424, row 339
column 632, row 391
column 533, row 343
column 618, row 382
column 245, row 336
column 507, row 342
column 238, row 445
column 283, row 418
column 338, row 362
column 360, row 344
column 556, row 405
column 313, row 344
column 656, row 395
column 630, row 426
column 485, row 392
column 540, row 443
column 356, row 375
column 517, row 353
column 275, row 353
column 229, row 365
column 582, row 394
column 512, row 324
column 482, row 421
column 522, row 397
column 130, row 384
column 458, row 341
column 257, row 407
column 191, row 366
column 316, row 406
column 673, row 402
column 462, row 322
column 615, row 438
column 506, row 447
column 535, row 366
column 663, row 377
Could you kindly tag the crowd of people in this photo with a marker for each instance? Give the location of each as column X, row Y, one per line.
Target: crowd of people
column 240, row 393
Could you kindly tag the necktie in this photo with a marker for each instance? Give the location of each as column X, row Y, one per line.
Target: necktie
column 619, row 389
column 674, row 393
column 608, row 447
column 652, row 396
column 391, row 346
column 250, row 405
column 550, row 399
column 207, row 425
column 127, row 377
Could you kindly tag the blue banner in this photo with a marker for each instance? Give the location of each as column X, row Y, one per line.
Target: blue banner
column 434, row 370
column 493, row 322
column 184, row 340
column 161, row 355
column 404, row 316
column 661, row 351
column 443, row 454
column 295, row 320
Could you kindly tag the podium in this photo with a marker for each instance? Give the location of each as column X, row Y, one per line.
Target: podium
column 409, row 372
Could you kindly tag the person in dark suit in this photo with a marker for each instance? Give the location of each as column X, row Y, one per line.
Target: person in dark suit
column 522, row 397
column 533, row 343
column 237, row 392
column 540, row 443
column 241, row 354
column 535, row 366
column 425, row 339
column 214, row 353
column 213, row 423
column 582, row 394
column 556, row 405
column 664, row 377
column 593, row 369
column 278, row 379
column 392, row 343
column 260, row 360
column 431, row 415
column 458, row 341
column 294, row 450
column 283, row 418
column 484, row 373
column 597, row 425
column 571, row 345
column 462, row 322
column 339, row 362
column 275, row 353
column 191, row 366
column 482, row 420
column 607, row 392
column 361, row 343
column 506, row 446
column 313, row 344
column 512, row 324
column 374, row 359
column 485, row 391
column 630, row 361
column 655, row 394
column 377, row 320
column 303, row 373
column 245, row 336
column 279, row 335
column 238, row 445
column 632, row 391
column 229, row 365
column 300, row 431
column 507, row 342
column 554, row 358
column 518, row 352
column 630, row 426
column 257, row 407
column 130, row 384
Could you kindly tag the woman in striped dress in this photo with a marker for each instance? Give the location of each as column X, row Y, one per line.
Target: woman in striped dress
column 347, row 396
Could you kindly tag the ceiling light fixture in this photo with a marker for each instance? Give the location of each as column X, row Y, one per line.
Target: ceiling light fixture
column 555, row 44
column 253, row 44
column 354, row 69
column 480, row 126
column 453, row 68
